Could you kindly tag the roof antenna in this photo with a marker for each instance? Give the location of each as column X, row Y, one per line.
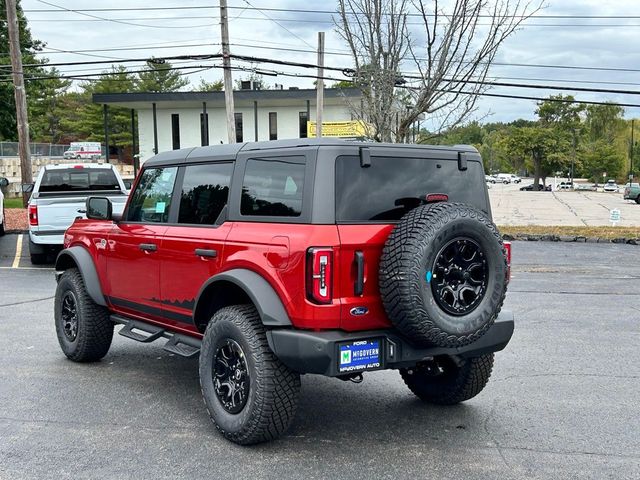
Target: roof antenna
column 365, row 157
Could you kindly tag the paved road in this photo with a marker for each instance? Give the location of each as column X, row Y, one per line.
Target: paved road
column 562, row 402
column 510, row 206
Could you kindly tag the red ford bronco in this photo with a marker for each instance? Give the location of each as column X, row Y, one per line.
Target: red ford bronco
column 274, row 259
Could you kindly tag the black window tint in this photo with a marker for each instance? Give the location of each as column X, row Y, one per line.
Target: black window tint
column 273, row 125
column 302, row 124
column 272, row 188
column 151, row 200
column 393, row 186
column 238, row 119
column 78, row 179
column 205, row 190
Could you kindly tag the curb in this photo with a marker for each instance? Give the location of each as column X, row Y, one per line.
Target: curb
column 569, row 238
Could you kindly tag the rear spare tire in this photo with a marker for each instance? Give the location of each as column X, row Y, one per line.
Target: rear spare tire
column 443, row 274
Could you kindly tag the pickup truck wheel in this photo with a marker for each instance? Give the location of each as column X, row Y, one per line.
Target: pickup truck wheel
column 443, row 274
column 250, row 394
column 638, row 199
column 83, row 327
column 443, row 382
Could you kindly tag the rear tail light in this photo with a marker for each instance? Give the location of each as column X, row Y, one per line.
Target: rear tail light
column 437, row 197
column 33, row 215
column 507, row 248
column 320, row 275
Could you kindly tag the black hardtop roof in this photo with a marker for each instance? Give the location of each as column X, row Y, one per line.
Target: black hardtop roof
column 226, row 151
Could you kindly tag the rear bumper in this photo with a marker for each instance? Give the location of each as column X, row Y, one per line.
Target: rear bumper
column 47, row 237
column 318, row 352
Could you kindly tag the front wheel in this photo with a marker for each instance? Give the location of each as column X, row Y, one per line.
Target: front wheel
column 84, row 329
column 638, row 199
column 250, row 394
column 444, row 381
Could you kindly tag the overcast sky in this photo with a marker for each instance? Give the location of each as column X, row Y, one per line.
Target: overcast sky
column 578, row 42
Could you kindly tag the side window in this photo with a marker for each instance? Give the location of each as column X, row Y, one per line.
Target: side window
column 151, row 200
column 273, row 188
column 205, row 190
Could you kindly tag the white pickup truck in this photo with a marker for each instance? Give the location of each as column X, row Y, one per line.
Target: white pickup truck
column 59, row 196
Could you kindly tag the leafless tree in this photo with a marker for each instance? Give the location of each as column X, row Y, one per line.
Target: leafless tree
column 461, row 42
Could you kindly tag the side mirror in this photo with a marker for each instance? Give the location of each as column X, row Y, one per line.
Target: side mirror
column 127, row 184
column 99, row 208
column 27, row 187
column 3, row 182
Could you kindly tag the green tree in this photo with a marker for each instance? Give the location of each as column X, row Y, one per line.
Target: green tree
column 45, row 109
column 29, row 47
column 603, row 157
column 160, row 77
column 604, row 122
column 88, row 122
column 204, row 86
column 560, row 110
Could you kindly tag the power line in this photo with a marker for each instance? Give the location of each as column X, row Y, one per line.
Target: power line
column 314, row 11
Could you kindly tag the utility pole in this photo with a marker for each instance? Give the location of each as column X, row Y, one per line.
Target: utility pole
column 226, row 64
column 20, row 95
column 631, row 160
column 320, row 85
column 573, row 156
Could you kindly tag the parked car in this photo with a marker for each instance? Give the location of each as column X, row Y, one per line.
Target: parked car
column 504, row 178
column 611, row 186
column 565, row 186
column 59, row 196
column 515, row 178
column 585, row 186
column 632, row 192
column 489, row 179
column 275, row 259
column 530, row 188
column 3, row 183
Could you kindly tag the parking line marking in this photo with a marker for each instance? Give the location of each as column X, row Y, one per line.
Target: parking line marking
column 16, row 260
column 44, row 269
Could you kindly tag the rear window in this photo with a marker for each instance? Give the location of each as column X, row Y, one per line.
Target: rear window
column 391, row 187
column 273, row 188
column 78, row 179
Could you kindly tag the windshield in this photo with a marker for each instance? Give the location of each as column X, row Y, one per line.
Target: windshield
column 391, row 187
column 79, row 179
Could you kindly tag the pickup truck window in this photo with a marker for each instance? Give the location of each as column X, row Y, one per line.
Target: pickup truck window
column 205, row 190
column 151, row 200
column 78, row 179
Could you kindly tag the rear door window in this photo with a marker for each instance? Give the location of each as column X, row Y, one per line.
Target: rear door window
column 273, row 188
column 391, row 187
column 78, row 179
column 151, row 200
column 205, row 191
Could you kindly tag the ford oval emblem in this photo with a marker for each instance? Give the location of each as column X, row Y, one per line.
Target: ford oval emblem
column 359, row 311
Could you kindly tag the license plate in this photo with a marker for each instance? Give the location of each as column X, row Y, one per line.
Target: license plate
column 359, row 355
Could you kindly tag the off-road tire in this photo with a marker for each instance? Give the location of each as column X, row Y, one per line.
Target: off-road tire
column 459, row 384
column 94, row 328
column 273, row 388
column 638, row 199
column 407, row 259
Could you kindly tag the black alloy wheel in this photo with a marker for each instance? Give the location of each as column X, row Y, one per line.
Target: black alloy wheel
column 69, row 316
column 231, row 376
column 460, row 276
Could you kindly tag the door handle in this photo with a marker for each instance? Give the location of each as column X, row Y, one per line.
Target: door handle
column 358, row 286
column 148, row 247
column 203, row 252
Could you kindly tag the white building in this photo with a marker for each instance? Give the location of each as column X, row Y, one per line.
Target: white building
column 169, row 121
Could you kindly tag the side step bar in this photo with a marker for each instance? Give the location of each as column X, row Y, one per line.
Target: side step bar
column 178, row 344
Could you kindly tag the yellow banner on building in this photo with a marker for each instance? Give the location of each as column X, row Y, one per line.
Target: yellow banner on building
column 348, row 129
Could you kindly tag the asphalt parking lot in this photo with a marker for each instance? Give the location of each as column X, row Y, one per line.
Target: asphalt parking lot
column 562, row 402
column 510, row 206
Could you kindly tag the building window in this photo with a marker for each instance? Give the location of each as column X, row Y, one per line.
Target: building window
column 238, row 118
column 175, row 130
column 273, row 126
column 204, row 129
column 303, row 124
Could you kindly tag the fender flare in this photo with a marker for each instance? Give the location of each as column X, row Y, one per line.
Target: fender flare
column 264, row 297
column 80, row 257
